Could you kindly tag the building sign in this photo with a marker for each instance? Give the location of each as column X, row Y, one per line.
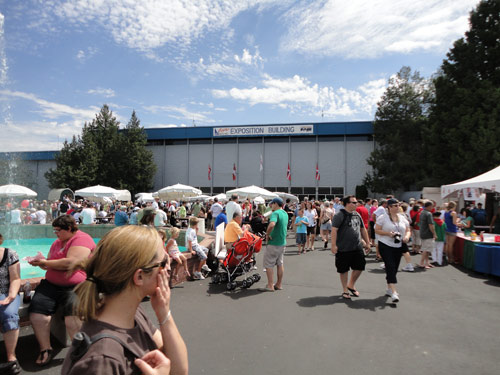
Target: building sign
column 257, row 130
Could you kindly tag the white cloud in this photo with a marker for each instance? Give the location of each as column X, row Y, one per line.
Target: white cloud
column 107, row 93
column 366, row 29
column 84, row 55
column 211, row 69
column 298, row 94
column 180, row 113
column 150, row 24
column 50, row 109
column 247, row 58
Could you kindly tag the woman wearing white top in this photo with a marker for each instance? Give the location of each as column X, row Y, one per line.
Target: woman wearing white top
column 311, row 215
column 393, row 230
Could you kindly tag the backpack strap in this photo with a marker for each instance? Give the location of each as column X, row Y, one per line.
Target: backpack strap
column 82, row 342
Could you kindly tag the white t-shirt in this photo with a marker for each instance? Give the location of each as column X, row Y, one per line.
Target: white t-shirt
column 88, row 215
column 389, row 226
column 191, row 236
column 231, row 208
column 310, row 217
column 41, row 216
column 160, row 218
column 216, row 209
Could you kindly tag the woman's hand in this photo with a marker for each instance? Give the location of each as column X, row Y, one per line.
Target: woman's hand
column 160, row 301
column 42, row 263
column 6, row 301
column 153, row 363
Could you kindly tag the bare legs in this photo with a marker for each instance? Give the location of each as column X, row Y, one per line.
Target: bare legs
column 270, row 277
column 349, row 283
column 450, row 241
column 10, row 340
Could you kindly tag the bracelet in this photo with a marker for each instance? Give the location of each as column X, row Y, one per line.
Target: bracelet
column 167, row 318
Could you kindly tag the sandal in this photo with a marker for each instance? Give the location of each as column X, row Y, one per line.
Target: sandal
column 353, row 291
column 346, row 295
column 48, row 359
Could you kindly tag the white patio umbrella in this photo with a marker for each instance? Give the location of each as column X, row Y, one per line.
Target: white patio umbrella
column 178, row 192
column 124, row 195
column 221, row 197
column 251, row 191
column 13, row 191
column 97, row 191
column 285, row 196
column 202, row 197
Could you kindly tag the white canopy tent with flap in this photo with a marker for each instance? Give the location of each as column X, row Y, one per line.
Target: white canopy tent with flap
column 488, row 182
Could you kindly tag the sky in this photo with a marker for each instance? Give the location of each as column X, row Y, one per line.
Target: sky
column 184, row 63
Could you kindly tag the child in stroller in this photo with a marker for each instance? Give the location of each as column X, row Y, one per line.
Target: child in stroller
column 238, row 260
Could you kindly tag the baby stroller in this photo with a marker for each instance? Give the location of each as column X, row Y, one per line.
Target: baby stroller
column 237, row 261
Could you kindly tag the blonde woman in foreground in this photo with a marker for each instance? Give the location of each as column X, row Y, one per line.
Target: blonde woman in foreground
column 127, row 266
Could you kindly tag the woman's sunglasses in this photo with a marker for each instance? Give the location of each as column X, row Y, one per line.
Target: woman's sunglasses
column 161, row 264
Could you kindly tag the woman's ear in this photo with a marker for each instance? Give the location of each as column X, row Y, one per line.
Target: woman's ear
column 138, row 277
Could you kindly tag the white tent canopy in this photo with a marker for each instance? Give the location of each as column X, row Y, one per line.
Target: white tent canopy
column 145, row 197
column 97, row 191
column 486, row 182
column 221, row 197
column 12, row 190
column 251, row 191
column 178, row 192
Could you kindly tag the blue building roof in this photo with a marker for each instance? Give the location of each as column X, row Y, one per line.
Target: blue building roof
column 322, row 128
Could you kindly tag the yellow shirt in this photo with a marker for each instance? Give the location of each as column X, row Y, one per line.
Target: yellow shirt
column 232, row 231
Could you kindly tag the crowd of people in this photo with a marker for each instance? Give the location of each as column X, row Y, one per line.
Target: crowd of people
column 99, row 288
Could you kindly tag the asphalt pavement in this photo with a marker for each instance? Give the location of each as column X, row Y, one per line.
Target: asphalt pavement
column 447, row 321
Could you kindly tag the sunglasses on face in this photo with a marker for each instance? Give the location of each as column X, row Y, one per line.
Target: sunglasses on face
column 161, row 264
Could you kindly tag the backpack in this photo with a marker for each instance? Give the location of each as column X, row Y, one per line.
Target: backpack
column 82, row 342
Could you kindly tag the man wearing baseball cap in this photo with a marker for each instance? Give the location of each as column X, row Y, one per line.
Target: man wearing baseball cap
column 276, row 244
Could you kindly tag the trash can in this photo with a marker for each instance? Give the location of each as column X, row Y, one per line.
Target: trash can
column 469, row 255
column 495, row 260
column 482, row 258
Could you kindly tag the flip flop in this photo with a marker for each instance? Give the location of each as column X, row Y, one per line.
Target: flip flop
column 346, row 295
column 276, row 288
column 354, row 292
column 50, row 355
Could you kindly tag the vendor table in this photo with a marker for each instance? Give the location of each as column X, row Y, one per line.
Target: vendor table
column 479, row 256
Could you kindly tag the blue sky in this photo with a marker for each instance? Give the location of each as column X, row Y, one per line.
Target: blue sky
column 208, row 62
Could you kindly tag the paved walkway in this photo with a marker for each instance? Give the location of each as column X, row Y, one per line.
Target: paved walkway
column 448, row 321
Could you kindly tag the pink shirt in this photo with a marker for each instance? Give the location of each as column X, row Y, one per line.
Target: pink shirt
column 56, row 251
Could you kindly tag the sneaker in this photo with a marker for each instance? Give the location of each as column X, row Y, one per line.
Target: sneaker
column 206, row 268
column 388, row 293
column 325, row 245
column 395, row 297
column 408, row 268
column 382, row 265
column 198, row 276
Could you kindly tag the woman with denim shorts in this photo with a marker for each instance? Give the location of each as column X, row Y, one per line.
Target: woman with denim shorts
column 10, row 282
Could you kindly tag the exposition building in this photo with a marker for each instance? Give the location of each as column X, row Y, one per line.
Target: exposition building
column 306, row 159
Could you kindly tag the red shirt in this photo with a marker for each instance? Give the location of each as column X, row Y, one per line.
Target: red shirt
column 363, row 212
column 415, row 218
column 57, row 251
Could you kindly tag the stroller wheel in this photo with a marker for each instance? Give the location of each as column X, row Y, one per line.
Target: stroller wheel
column 216, row 279
column 234, row 284
column 224, row 277
column 229, row 286
column 244, row 284
column 256, row 277
column 250, row 281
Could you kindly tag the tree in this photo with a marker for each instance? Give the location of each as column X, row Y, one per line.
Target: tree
column 397, row 160
column 104, row 155
column 465, row 118
column 139, row 160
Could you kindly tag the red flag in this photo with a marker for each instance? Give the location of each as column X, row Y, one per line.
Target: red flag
column 288, row 173
column 317, row 173
column 234, row 172
column 209, row 173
